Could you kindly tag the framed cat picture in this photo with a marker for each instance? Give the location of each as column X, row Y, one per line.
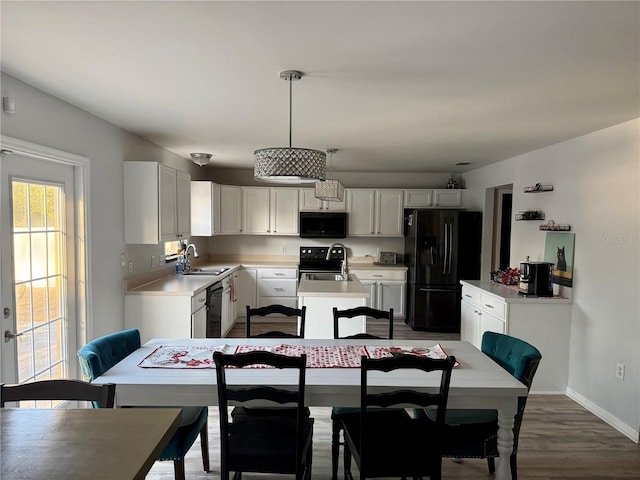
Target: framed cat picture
column 558, row 249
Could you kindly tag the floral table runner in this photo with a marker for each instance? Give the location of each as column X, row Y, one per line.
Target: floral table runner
column 335, row 356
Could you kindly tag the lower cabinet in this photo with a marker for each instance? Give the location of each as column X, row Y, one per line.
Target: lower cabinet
column 245, row 290
column 227, row 315
column 543, row 322
column 277, row 286
column 387, row 289
column 166, row 316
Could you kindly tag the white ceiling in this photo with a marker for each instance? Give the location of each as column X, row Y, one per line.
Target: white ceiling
column 396, row 86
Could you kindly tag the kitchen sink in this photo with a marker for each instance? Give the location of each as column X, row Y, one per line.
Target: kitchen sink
column 332, row 277
column 205, row 271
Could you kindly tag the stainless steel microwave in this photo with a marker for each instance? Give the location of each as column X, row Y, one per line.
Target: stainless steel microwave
column 323, row 224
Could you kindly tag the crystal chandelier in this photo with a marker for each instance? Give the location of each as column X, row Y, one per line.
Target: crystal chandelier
column 200, row 159
column 289, row 164
column 330, row 190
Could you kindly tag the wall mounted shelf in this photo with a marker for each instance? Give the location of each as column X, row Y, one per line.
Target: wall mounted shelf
column 530, row 215
column 538, row 188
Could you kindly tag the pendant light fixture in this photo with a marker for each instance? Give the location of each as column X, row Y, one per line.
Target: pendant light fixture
column 330, row 190
column 200, row 159
column 289, row 164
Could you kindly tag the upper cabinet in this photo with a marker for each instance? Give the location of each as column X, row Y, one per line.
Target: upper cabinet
column 270, row 211
column 205, row 208
column 230, row 209
column 157, row 202
column 309, row 202
column 375, row 212
column 436, row 198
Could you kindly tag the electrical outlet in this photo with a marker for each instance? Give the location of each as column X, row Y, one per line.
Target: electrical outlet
column 123, row 261
column 284, row 250
column 130, row 267
column 153, row 261
column 620, row 371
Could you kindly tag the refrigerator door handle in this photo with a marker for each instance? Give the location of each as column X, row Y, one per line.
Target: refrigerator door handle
column 450, row 245
column 436, row 290
column 446, row 249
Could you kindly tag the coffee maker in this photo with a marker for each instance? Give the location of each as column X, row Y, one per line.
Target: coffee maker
column 536, row 279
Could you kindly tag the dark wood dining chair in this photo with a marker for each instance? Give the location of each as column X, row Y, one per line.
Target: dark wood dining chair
column 75, row 390
column 399, row 447
column 276, row 309
column 338, row 414
column 99, row 355
column 358, row 312
column 473, row 433
column 266, row 444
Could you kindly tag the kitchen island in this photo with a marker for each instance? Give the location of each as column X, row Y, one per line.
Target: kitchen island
column 321, row 295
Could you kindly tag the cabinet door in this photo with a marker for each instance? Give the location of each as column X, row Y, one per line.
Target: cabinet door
column 361, row 207
column 230, row 209
column 392, row 295
column 246, row 288
column 469, row 323
column 418, row 198
column 226, row 320
column 372, row 287
column 255, row 210
column 447, row 198
column 199, row 323
column 205, row 209
column 491, row 323
column 183, row 205
column 308, row 201
column 168, row 191
column 389, row 212
column 284, row 211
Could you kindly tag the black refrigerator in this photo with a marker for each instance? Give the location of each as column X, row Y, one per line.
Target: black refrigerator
column 441, row 248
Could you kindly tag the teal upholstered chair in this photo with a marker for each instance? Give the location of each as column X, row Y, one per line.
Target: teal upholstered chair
column 474, row 433
column 99, row 355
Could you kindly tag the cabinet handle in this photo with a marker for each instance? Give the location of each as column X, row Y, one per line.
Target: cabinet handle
column 487, row 305
column 279, row 289
column 378, row 275
column 202, row 300
column 468, row 296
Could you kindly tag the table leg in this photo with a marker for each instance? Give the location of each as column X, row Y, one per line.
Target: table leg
column 505, row 437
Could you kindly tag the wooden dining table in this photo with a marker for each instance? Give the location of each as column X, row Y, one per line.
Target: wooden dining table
column 478, row 382
column 79, row 444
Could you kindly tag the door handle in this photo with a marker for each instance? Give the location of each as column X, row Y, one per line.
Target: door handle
column 9, row 335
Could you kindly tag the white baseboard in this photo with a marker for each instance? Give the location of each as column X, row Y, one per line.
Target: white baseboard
column 626, row 430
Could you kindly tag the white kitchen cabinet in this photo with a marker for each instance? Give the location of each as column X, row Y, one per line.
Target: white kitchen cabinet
column 166, row 316
column 158, row 203
column 205, row 209
column 271, row 211
column 230, row 209
column 255, row 210
column 309, row 202
column 375, row 212
column 284, row 212
column 277, row 286
column 436, row 198
column 227, row 317
column 246, row 290
column 387, row 289
column 545, row 323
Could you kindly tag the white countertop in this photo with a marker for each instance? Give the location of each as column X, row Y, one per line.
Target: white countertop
column 328, row 288
column 184, row 285
column 509, row 293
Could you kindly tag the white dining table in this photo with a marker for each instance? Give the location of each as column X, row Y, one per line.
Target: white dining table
column 478, row 382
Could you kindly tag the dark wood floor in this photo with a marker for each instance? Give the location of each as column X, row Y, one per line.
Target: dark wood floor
column 559, row 440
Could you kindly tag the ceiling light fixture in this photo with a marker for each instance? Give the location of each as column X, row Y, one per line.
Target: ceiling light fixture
column 200, row 159
column 288, row 164
column 330, row 190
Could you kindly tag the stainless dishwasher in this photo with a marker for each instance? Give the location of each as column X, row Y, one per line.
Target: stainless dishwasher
column 214, row 310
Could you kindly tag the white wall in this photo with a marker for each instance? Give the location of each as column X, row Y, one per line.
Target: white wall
column 596, row 181
column 45, row 120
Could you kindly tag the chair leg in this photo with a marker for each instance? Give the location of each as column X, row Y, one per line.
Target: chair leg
column 178, row 469
column 204, row 445
column 514, row 467
column 347, row 463
column 492, row 464
column 335, row 448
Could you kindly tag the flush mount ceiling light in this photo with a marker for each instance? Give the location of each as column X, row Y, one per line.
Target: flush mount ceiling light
column 289, row 164
column 200, row 158
column 330, row 190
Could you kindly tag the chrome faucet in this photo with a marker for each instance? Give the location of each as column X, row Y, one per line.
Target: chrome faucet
column 344, row 271
column 187, row 263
